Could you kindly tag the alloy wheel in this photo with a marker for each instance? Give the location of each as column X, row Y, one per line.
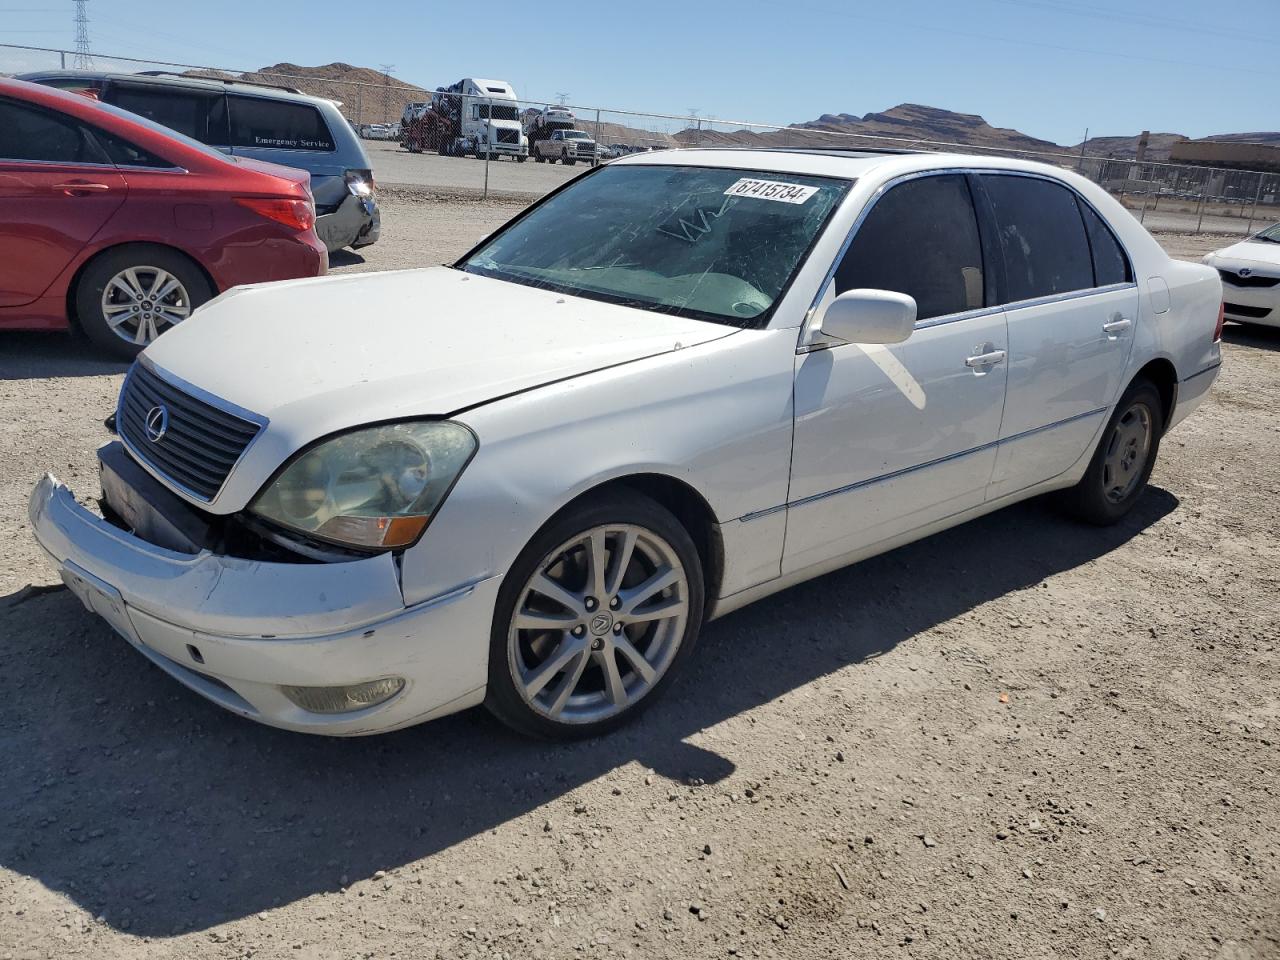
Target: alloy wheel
column 598, row 623
column 1127, row 451
column 140, row 303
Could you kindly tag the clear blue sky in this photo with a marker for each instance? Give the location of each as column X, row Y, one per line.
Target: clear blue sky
column 1046, row 67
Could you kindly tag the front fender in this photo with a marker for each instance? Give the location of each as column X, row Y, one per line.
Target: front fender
column 717, row 417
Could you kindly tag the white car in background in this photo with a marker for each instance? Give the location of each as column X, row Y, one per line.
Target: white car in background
column 683, row 382
column 1250, row 272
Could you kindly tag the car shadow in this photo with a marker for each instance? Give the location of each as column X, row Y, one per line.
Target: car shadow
column 345, row 258
column 154, row 809
column 25, row 355
column 1252, row 335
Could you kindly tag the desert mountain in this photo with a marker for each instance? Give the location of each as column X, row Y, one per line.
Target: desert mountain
column 370, row 96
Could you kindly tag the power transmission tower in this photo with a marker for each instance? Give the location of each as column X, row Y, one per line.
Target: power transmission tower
column 83, row 60
column 386, row 69
column 563, row 98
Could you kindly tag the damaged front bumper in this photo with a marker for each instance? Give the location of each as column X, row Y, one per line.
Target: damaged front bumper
column 244, row 633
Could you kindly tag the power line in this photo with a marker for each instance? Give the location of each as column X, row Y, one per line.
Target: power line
column 84, row 59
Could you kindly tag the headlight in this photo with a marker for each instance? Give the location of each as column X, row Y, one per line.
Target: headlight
column 377, row 487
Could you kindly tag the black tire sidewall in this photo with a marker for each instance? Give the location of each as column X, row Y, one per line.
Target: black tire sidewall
column 94, row 279
column 1090, row 501
column 502, row 697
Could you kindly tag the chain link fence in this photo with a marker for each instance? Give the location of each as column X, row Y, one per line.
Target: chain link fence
column 418, row 139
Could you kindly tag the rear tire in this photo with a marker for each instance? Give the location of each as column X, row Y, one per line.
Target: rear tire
column 1122, row 463
column 116, row 302
column 604, row 643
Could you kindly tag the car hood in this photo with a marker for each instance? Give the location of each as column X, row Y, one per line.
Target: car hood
column 1250, row 251
column 317, row 356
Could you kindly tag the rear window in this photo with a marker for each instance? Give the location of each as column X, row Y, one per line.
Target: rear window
column 278, row 124
column 1046, row 251
column 200, row 116
column 126, row 154
column 1110, row 265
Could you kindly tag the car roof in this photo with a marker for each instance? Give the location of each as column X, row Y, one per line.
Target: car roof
column 851, row 164
column 177, row 80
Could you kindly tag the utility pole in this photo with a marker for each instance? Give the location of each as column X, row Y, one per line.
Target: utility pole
column 386, row 90
column 1083, row 143
column 83, row 59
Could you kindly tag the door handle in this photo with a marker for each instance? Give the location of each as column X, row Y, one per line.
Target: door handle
column 987, row 359
column 1117, row 324
column 71, row 189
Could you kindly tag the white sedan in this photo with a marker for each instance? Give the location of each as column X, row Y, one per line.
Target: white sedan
column 684, row 382
column 1250, row 272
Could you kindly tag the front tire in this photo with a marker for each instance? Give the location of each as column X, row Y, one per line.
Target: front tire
column 1122, row 463
column 130, row 295
column 594, row 619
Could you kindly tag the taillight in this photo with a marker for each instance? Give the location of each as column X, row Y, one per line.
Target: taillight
column 1222, row 316
column 360, row 182
column 295, row 214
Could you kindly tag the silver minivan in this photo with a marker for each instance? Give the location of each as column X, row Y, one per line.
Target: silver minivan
column 276, row 124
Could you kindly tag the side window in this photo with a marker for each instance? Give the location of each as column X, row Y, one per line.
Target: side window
column 32, row 133
column 125, row 154
column 257, row 122
column 1042, row 236
column 188, row 112
column 921, row 238
column 1110, row 265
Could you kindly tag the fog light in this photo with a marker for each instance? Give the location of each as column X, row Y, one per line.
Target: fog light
column 358, row 696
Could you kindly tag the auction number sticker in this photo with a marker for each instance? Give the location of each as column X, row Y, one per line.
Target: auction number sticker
column 771, row 190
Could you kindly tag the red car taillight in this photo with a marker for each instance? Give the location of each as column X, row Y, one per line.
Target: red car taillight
column 296, row 214
column 1222, row 316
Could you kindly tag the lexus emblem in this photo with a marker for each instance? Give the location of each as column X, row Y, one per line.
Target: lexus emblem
column 601, row 623
column 1245, row 272
column 157, row 423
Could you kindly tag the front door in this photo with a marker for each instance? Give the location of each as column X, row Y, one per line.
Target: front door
column 891, row 438
column 57, row 189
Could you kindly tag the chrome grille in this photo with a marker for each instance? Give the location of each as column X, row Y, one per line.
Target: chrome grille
column 200, row 443
column 1233, row 278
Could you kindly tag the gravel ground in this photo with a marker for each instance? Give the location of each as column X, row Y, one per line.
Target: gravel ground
column 1020, row 738
column 398, row 167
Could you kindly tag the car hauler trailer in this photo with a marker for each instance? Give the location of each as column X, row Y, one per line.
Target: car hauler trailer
column 473, row 116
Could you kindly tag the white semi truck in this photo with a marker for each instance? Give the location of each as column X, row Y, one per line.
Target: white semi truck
column 473, row 116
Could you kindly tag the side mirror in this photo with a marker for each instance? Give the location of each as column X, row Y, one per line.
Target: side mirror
column 870, row 316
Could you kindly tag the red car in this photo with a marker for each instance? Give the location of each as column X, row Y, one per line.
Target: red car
column 121, row 227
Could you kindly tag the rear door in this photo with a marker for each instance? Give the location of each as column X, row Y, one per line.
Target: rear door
column 1072, row 309
column 293, row 134
column 57, row 190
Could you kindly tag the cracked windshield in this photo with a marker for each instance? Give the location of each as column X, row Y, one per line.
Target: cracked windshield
column 714, row 244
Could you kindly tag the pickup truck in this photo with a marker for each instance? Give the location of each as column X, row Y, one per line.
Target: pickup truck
column 567, row 146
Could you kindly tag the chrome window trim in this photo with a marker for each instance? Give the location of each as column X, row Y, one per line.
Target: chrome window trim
column 60, row 163
column 1069, row 295
column 978, row 311
column 894, row 474
column 204, row 396
column 96, row 166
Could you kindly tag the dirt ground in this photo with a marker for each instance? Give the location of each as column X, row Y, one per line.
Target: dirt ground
column 1020, row 738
